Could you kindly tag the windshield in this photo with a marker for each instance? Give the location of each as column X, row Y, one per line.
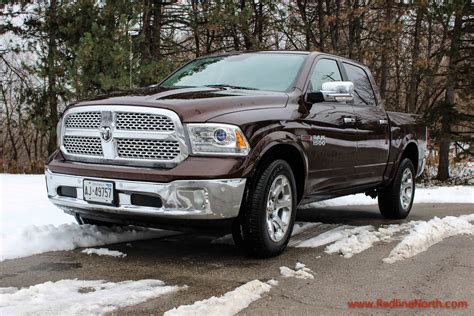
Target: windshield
column 258, row 71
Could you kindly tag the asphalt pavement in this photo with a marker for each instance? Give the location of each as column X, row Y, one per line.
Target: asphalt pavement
column 445, row 271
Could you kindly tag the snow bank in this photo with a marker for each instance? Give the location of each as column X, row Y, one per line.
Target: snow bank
column 363, row 238
column 349, row 240
column 454, row 194
column 78, row 297
column 104, row 252
column 300, row 272
column 426, row 234
column 228, row 304
column 330, row 236
column 24, row 202
column 416, row 236
column 35, row 240
column 273, row 282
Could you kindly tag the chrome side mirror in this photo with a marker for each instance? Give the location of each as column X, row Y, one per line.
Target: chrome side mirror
column 338, row 91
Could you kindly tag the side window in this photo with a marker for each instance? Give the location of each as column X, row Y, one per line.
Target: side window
column 364, row 94
column 324, row 71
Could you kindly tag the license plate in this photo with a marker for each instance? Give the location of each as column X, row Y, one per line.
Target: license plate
column 99, row 191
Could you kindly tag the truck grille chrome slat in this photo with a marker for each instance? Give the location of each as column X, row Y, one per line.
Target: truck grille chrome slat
column 147, row 149
column 123, row 135
column 83, row 120
column 144, row 122
column 81, row 145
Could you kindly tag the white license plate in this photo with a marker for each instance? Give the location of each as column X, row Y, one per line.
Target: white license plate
column 99, row 191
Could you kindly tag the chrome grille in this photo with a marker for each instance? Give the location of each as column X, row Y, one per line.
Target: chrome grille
column 144, row 122
column 83, row 120
column 147, row 149
column 123, row 135
column 81, row 145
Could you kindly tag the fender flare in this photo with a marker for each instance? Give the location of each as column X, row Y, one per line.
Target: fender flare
column 402, row 150
column 270, row 141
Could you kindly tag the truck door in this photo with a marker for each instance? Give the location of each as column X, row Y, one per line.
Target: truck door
column 331, row 134
column 373, row 133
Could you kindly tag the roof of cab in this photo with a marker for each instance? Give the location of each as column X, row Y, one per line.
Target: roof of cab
column 301, row 52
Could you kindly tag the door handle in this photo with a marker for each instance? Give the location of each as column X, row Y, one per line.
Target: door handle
column 349, row 120
column 383, row 122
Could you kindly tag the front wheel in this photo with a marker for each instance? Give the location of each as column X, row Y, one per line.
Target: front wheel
column 270, row 210
column 396, row 200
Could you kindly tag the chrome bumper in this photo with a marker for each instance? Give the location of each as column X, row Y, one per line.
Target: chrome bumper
column 181, row 199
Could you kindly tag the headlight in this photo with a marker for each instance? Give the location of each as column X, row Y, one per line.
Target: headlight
column 217, row 139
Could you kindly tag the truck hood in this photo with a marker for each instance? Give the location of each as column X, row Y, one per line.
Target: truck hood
column 193, row 104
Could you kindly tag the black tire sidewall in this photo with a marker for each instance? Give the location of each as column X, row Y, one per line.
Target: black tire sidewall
column 400, row 212
column 268, row 247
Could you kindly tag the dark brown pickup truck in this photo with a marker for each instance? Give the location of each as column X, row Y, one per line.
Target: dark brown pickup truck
column 236, row 142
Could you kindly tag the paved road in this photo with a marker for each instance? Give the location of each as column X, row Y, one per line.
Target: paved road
column 445, row 271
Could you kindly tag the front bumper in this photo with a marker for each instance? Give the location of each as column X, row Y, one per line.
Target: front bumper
column 181, row 199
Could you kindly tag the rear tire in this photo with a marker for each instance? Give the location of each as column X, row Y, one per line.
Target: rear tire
column 270, row 210
column 396, row 200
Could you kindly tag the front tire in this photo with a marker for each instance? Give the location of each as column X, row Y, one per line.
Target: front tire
column 396, row 200
column 270, row 210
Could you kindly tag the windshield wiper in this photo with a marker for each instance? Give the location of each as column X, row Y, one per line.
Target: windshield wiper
column 223, row 85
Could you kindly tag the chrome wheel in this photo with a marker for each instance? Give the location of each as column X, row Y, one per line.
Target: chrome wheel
column 279, row 208
column 406, row 189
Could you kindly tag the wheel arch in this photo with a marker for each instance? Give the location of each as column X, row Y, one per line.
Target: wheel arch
column 411, row 152
column 285, row 148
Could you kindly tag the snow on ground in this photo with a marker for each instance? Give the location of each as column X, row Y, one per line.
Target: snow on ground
column 300, row 272
column 331, row 236
column 103, row 252
column 416, row 236
column 78, row 297
column 273, row 282
column 228, row 304
column 30, row 224
column 426, row 234
column 39, row 239
column 453, row 194
column 359, row 240
column 24, row 202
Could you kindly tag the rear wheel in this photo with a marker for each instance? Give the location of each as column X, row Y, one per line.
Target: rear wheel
column 270, row 210
column 396, row 200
